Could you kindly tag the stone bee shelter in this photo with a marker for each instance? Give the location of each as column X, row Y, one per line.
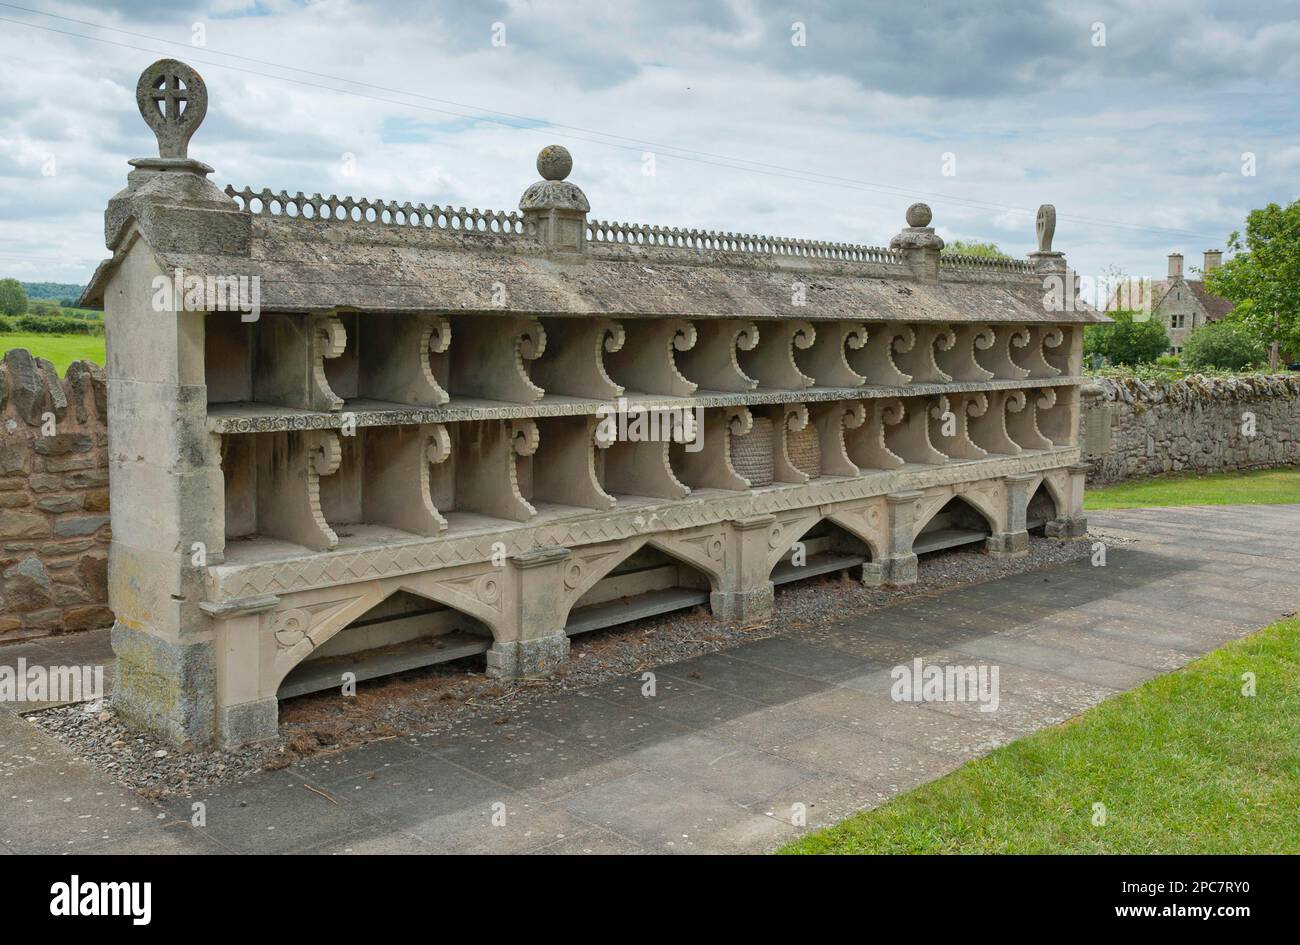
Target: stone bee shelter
column 397, row 450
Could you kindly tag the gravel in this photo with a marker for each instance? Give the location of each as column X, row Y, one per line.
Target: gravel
column 442, row 698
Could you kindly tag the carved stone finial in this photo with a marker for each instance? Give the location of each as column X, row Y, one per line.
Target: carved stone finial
column 554, row 162
column 555, row 210
column 1046, row 226
column 918, row 214
column 172, row 100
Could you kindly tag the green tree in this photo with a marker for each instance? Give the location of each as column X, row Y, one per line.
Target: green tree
column 1226, row 345
column 1129, row 340
column 44, row 307
column 972, row 248
column 1262, row 278
column 13, row 297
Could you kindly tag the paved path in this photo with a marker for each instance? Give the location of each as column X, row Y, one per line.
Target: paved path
column 716, row 761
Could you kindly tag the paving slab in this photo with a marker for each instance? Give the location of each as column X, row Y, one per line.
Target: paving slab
column 736, row 751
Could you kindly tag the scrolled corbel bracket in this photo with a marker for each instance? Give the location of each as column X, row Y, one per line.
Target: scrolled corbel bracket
column 865, row 443
column 826, row 361
column 773, row 362
column 329, row 339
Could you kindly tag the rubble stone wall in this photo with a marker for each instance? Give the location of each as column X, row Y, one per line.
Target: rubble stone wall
column 1130, row 429
column 54, row 523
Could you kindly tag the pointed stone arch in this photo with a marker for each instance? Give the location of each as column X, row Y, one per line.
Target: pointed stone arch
column 1042, row 507
column 300, row 632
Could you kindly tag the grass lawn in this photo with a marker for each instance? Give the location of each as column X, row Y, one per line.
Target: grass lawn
column 1255, row 487
column 1185, row 763
column 61, row 349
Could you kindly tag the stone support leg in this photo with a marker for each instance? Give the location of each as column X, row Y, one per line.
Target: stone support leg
column 745, row 593
column 538, row 642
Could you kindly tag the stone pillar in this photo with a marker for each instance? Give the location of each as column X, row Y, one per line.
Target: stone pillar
column 898, row 564
column 746, row 591
column 919, row 244
column 165, row 476
column 1072, row 523
column 536, row 596
column 1015, row 540
column 245, row 712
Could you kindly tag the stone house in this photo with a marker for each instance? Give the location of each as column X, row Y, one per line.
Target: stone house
column 1181, row 304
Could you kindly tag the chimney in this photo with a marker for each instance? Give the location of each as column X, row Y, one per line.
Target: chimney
column 1175, row 265
column 1213, row 260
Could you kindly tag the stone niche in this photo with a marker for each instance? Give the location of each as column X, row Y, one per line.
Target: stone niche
column 426, row 433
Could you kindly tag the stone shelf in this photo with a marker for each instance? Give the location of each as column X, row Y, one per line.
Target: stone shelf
column 257, row 564
column 252, row 417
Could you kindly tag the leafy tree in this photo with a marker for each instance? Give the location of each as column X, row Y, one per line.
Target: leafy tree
column 44, row 307
column 972, row 248
column 1262, row 278
column 13, row 297
column 1129, row 340
column 1227, row 345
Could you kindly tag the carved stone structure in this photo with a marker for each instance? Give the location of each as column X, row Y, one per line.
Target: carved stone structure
column 430, row 432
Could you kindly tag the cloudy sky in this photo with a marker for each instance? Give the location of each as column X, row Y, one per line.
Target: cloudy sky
column 1134, row 118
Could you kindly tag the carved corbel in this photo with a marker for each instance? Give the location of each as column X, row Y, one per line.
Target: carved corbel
column 487, row 469
column 997, row 358
column 831, row 419
column 1032, row 357
column 710, row 466
column 1056, row 414
column 772, row 362
column 988, row 421
column 712, row 362
column 290, row 466
column 566, row 475
column 491, row 354
column 877, row 360
column 825, row 362
column 865, row 444
column 1065, row 353
column 575, row 360
column 397, row 476
column 329, row 339
column 949, row 428
column 642, row 467
column 1022, row 420
column 910, row 439
column 647, row 363
column 919, row 359
column 787, row 419
column 958, row 359
column 402, row 357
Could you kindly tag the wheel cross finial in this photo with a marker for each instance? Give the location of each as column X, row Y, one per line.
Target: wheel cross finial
column 172, row 100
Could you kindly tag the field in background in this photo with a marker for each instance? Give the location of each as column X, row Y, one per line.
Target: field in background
column 1253, row 487
column 62, row 350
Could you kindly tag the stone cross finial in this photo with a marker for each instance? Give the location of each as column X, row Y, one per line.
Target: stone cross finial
column 1046, row 226
column 172, row 100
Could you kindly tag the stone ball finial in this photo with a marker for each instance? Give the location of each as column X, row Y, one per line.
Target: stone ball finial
column 918, row 215
column 554, row 162
column 172, row 100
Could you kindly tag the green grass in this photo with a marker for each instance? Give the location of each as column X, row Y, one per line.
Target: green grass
column 1184, row 764
column 1256, row 487
column 61, row 349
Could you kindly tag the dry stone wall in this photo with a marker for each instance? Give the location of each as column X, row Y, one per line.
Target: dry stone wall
column 1131, row 429
column 54, row 522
